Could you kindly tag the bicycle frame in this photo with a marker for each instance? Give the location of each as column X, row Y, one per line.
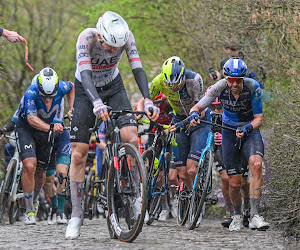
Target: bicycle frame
column 160, row 160
column 13, row 196
column 209, row 146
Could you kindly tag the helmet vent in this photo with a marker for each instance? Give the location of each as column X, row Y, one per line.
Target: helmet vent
column 48, row 72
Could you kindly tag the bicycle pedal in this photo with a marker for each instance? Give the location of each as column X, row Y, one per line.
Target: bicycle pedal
column 213, row 200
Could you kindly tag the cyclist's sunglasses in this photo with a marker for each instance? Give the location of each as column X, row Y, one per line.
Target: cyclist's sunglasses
column 215, row 106
column 235, row 79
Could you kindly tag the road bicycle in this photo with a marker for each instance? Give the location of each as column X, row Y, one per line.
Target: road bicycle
column 126, row 182
column 157, row 161
column 11, row 193
column 202, row 186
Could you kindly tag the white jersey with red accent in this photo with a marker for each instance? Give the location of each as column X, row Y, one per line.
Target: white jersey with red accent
column 104, row 66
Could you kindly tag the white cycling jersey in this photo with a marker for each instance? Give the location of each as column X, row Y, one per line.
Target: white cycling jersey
column 104, row 66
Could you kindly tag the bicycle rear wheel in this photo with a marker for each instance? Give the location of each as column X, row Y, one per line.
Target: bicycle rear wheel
column 126, row 193
column 7, row 183
column 203, row 186
column 183, row 204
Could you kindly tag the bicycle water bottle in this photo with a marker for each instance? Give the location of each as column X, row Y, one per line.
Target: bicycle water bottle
column 155, row 166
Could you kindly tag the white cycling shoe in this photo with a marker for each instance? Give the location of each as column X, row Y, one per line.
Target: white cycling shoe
column 235, row 225
column 73, row 228
column 61, row 218
column 29, row 218
column 258, row 222
column 164, row 215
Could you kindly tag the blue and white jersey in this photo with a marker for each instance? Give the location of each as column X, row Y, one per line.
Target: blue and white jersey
column 32, row 103
column 239, row 112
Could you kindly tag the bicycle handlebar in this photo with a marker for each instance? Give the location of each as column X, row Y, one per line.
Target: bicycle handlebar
column 115, row 115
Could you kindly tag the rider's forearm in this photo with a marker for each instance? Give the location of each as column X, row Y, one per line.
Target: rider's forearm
column 197, row 108
column 89, row 87
column 257, row 121
column 141, row 80
column 9, row 126
column 37, row 123
column 71, row 97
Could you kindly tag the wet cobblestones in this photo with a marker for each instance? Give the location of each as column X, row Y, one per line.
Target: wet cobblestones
column 160, row 235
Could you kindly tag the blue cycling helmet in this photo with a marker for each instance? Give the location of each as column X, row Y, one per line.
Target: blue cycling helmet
column 235, row 67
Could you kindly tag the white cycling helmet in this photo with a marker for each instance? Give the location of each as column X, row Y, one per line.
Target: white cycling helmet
column 47, row 82
column 113, row 29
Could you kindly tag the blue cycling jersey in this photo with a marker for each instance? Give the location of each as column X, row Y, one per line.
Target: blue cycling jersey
column 32, row 103
column 239, row 112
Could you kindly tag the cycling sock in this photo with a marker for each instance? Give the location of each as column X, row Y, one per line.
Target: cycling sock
column 29, row 202
column 54, row 201
column 254, row 204
column 238, row 209
column 61, row 203
column 230, row 208
column 246, row 203
column 164, row 202
column 76, row 197
column 36, row 194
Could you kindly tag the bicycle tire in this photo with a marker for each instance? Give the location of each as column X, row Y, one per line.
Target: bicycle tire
column 4, row 195
column 183, row 204
column 120, row 205
column 89, row 193
column 200, row 193
column 148, row 159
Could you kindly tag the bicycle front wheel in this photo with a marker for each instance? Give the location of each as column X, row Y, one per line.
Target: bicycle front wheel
column 126, row 193
column 6, row 186
column 203, row 187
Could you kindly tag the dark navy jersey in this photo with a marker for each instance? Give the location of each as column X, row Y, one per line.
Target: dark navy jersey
column 239, row 112
column 33, row 103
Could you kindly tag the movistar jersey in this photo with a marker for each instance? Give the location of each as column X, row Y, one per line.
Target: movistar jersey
column 184, row 99
column 104, row 66
column 236, row 112
column 33, row 103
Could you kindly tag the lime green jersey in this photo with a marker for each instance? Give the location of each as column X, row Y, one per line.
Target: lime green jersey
column 184, row 99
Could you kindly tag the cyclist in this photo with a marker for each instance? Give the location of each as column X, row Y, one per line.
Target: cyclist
column 11, row 36
column 242, row 109
column 183, row 88
column 40, row 114
column 218, row 158
column 97, row 80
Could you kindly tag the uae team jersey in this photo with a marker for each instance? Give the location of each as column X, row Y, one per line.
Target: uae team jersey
column 104, row 66
column 238, row 112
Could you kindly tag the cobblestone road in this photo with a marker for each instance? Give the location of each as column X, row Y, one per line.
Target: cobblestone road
column 160, row 235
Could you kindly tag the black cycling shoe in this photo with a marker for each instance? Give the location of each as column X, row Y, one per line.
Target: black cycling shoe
column 246, row 217
column 226, row 222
